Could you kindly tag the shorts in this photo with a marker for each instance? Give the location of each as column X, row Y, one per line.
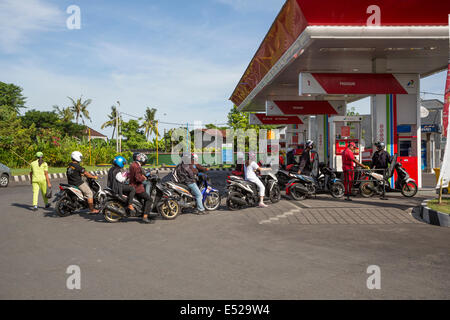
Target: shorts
column 87, row 192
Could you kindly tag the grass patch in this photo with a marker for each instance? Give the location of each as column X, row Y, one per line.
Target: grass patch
column 26, row 171
column 444, row 207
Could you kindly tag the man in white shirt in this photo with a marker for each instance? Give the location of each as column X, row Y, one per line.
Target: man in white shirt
column 250, row 174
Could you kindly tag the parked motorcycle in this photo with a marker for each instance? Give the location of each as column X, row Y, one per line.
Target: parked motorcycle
column 300, row 186
column 377, row 182
column 243, row 193
column 70, row 199
column 162, row 200
column 211, row 197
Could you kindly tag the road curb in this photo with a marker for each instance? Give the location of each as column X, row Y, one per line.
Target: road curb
column 22, row 179
column 433, row 217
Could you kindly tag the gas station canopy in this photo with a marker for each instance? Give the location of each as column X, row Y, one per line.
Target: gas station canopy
column 353, row 36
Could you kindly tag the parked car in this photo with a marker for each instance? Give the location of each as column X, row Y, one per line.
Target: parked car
column 5, row 174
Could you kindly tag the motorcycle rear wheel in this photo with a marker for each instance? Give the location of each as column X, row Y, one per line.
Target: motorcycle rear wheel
column 231, row 205
column 169, row 209
column 110, row 216
column 62, row 209
column 367, row 189
column 337, row 190
column 297, row 194
column 409, row 189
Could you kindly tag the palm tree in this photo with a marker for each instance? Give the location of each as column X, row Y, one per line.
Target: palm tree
column 65, row 114
column 79, row 108
column 149, row 122
column 112, row 120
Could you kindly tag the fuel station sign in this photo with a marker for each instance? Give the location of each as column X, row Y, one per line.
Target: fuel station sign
column 306, row 107
column 357, row 83
column 261, row 119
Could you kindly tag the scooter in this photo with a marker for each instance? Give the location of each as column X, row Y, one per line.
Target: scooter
column 70, row 199
column 163, row 202
column 243, row 193
column 211, row 197
column 377, row 182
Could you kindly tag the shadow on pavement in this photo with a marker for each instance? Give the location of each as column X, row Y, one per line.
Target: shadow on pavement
column 23, row 206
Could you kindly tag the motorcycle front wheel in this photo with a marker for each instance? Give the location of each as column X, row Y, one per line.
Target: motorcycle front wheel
column 169, row 209
column 337, row 190
column 296, row 193
column 367, row 189
column 275, row 194
column 63, row 208
column 212, row 201
column 409, row 189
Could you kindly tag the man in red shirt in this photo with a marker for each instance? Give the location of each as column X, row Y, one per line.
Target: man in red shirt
column 137, row 178
column 348, row 161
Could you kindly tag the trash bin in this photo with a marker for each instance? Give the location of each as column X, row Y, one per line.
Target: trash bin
column 437, row 172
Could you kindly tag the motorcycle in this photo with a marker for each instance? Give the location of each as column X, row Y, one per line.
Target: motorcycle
column 301, row 186
column 162, row 200
column 70, row 199
column 211, row 197
column 377, row 182
column 243, row 193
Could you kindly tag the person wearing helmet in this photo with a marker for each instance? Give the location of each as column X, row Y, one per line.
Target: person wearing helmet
column 305, row 159
column 348, row 163
column 250, row 174
column 137, row 177
column 187, row 172
column 381, row 158
column 75, row 172
column 117, row 178
column 39, row 180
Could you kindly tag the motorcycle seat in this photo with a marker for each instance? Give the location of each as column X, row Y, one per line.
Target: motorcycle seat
column 183, row 185
column 236, row 178
column 68, row 185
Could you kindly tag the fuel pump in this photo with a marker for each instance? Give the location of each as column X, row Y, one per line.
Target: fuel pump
column 343, row 130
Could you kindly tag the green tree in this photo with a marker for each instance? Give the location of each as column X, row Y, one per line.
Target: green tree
column 135, row 138
column 11, row 96
column 64, row 114
column 149, row 124
column 238, row 119
column 112, row 121
column 79, row 108
column 352, row 112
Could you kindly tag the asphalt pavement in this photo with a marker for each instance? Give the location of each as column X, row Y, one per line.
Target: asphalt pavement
column 314, row 249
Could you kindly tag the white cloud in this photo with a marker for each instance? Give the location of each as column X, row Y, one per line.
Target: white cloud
column 20, row 19
column 254, row 5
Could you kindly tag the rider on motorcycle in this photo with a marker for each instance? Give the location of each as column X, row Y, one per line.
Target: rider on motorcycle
column 305, row 166
column 250, row 168
column 137, row 177
column 188, row 175
column 381, row 158
column 116, row 180
column 74, row 177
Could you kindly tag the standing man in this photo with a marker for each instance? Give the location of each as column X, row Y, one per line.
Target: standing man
column 348, row 165
column 137, row 177
column 39, row 180
column 381, row 158
column 305, row 159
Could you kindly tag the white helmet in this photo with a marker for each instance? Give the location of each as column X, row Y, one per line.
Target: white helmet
column 194, row 157
column 76, row 155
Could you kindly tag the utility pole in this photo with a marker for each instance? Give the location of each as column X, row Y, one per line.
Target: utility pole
column 156, row 142
column 117, row 127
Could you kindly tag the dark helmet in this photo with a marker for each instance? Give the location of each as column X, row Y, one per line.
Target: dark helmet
column 119, row 161
column 134, row 155
column 380, row 145
column 309, row 144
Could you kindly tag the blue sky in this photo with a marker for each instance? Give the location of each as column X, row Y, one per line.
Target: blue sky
column 181, row 57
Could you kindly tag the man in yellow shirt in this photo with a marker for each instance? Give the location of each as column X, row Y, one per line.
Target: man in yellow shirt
column 39, row 180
